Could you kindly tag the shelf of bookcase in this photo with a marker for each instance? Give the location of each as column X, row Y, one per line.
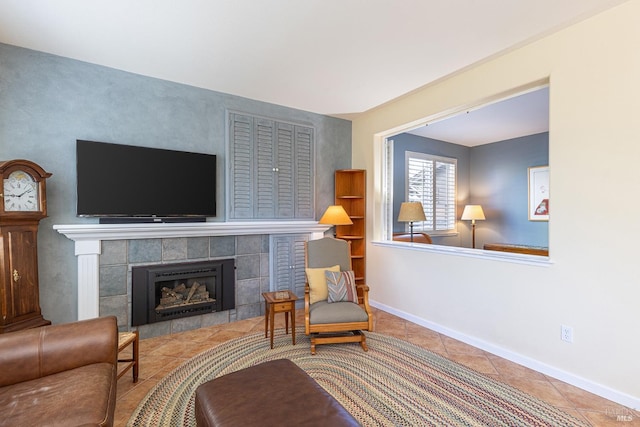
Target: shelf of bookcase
column 350, row 193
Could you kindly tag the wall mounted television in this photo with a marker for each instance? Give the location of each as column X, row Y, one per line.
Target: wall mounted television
column 125, row 183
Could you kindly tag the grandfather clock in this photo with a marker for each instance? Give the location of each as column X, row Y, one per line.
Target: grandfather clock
column 23, row 204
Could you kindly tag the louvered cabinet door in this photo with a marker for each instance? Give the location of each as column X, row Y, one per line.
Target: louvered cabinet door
column 271, row 169
column 304, row 173
column 281, row 266
column 242, row 167
column 287, row 263
column 285, row 173
column 299, row 275
column 265, row 192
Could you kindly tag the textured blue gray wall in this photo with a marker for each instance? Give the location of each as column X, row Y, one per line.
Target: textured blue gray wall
column 492, row 175
column 47, row 102
column 499, row 182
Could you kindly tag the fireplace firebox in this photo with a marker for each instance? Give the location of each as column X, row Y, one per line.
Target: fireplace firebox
column 163, row 292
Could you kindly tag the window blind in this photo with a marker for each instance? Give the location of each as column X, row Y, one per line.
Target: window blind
column 431, row 180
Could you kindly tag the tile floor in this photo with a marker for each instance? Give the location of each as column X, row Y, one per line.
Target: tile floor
column 159, row 356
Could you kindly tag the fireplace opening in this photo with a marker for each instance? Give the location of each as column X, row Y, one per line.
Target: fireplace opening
column 162, row 292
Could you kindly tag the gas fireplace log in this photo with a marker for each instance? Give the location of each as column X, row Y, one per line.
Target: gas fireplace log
column 171, row 292
column 170, row 301
column 201, row 294
column 193, row 289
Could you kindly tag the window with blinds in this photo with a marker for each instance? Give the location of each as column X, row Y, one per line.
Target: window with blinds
column 431, row 180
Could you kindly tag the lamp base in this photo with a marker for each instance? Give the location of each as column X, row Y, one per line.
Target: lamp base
column 473, row 236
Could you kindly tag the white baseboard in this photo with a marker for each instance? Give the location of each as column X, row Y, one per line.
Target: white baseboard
column 585, row 384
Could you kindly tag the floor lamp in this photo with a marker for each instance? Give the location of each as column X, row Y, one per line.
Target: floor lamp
column 473, row 213
column 410, row 212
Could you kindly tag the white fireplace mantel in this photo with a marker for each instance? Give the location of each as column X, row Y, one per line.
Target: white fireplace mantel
column 88, row 238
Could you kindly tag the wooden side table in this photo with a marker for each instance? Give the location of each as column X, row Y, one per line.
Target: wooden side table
column 280, row 302
column 125, row 339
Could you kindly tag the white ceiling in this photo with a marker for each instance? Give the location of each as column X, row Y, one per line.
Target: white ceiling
column 335, row 57
column 521, row 115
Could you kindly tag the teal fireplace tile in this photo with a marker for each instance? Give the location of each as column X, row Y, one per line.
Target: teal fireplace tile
column 249, row 244
column 248, row 311
column 247, row 266
column 174, row 249
column 145, row 250
column 113, row 252
column 197, row 247
column 115, row 306
column 247, row 292
column 113, row 280
column 186, row 324
column 215, row 318
column 222, row 246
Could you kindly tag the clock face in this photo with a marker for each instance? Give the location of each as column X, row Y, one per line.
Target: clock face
column 21, row 193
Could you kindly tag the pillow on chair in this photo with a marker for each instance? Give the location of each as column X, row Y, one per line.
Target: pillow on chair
column 341, row 286
column 318, row 283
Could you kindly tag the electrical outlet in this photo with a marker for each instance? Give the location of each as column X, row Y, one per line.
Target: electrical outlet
column 566, row 333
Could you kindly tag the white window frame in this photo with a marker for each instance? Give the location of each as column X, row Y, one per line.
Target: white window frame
column 437, row 191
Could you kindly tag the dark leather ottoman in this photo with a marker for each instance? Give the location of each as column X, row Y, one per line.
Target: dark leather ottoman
column 269, row 394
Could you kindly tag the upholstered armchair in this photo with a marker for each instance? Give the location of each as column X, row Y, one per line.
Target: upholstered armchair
column 418, row 237
column 336, row 310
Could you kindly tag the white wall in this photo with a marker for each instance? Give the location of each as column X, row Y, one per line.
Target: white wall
column 592, row 283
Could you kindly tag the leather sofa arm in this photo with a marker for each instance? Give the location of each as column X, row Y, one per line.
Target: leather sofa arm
column 35, row 353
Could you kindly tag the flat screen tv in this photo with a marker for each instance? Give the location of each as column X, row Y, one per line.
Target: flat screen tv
column 140, row 184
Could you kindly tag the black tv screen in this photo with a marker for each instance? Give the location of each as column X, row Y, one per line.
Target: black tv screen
column 126, row 181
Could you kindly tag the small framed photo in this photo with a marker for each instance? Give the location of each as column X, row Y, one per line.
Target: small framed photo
column 539, row 193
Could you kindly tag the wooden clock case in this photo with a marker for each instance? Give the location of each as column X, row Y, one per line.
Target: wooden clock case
column 19, row 287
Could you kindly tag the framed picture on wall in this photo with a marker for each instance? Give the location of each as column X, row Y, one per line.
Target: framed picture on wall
column 539, row 193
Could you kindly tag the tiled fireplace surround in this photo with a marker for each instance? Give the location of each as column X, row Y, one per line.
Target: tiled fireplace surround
column 107, row 252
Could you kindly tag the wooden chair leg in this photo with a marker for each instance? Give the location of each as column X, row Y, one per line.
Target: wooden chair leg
column 363, row 344
column 136, row 356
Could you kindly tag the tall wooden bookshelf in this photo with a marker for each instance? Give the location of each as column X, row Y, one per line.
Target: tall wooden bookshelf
column 351, row 193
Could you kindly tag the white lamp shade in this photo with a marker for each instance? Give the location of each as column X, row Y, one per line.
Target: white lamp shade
column 335, row 215
column 472, row 212
column 411, row 212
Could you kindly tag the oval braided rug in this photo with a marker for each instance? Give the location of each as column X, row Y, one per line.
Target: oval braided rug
column 395, row 383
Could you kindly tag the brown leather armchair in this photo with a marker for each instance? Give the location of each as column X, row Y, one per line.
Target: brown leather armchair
column 60, row 375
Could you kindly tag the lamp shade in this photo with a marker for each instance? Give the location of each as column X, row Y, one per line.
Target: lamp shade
column 411, row 211
column 335, row 215
column 472, row 212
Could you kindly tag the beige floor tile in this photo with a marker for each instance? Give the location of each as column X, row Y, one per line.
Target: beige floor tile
column 478, row 363
column 584, row 400
column 541, row 389
column 455, row 346
column 508, row 368
column 428, row 341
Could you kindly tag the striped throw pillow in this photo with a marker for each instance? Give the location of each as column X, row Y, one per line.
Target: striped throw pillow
column 341, row 286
